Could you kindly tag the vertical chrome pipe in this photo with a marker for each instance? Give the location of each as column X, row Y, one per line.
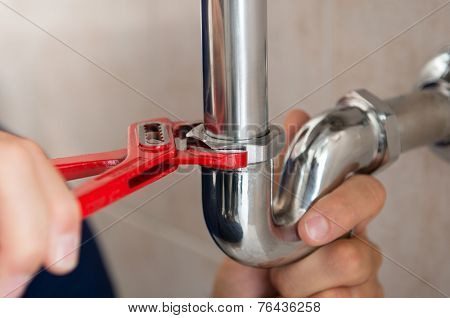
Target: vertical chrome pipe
column 237, row 205
column 234, row 40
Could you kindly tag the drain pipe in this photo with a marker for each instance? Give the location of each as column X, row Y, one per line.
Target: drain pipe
column 234, row 34
column 361, row 135
column 238, row 204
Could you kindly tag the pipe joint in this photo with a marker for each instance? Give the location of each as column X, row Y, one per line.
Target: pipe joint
column 383, row 120
column 258, row 149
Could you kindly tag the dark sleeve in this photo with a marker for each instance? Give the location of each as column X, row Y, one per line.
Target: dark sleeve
column 89, row 279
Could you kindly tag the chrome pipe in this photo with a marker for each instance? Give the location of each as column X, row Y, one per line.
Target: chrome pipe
column 423, row 117
column 237, row 205
column 238, row 213
column 363, row 134
column 234, row 43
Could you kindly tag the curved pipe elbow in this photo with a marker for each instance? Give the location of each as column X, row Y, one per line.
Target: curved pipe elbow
column 324, row 152
column 255, row 228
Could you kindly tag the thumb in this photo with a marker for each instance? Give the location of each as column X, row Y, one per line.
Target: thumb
column 236, row 280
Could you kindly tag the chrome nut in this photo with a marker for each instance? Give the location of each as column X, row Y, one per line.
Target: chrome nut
column 383, row 119
column 258, row 149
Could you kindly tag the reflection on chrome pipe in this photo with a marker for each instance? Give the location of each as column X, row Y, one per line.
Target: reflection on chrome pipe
column 359, row 136
column 325, row 151
column 234, row 40
column 238, row 215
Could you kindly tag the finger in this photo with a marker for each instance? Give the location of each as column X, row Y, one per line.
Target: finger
column 64, row 215
column 345, row 262
column 236, row 280
column 23, row 217
column 359, row 198
column 294, row 120
column 370, row 289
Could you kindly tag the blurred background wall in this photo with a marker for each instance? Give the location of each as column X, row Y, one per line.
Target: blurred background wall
column 69, row 106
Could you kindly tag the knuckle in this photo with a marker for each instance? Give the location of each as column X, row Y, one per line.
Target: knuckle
column 341, row 206
column 341, row 292
column 66, row 213
column 14, row 152
column 346, row 208
column 31, row 146
column 28, row 257
column 276, row 277
column 376, row 190
column 349, row 261
column 282, row 283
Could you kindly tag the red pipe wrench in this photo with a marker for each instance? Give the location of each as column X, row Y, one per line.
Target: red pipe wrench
column 156, row 148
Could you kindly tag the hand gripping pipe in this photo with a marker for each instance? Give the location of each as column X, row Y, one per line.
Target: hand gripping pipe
column 248, row 220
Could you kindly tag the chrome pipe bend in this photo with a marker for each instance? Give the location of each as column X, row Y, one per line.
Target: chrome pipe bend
column 325, row 151
column 253, row 227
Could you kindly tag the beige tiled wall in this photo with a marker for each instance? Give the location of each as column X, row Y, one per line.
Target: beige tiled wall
column 51, row 94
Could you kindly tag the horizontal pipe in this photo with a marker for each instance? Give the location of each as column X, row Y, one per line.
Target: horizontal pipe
column 423, row 117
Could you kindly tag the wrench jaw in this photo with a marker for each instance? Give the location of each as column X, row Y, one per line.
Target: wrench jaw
column 153, row 134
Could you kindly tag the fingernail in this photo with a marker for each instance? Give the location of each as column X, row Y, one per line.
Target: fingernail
column 14, row 286
column 317, row 227
column 66, row 252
